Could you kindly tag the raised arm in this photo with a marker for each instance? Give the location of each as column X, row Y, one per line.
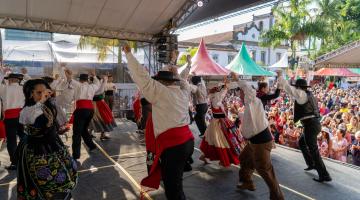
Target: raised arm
column 148, row 87
column 299, row 95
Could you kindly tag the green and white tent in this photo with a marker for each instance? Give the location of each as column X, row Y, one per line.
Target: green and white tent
column 245, row 66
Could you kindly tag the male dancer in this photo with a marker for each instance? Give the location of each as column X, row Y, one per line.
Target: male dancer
column 256, row 154
column 110, row 89
column 306, row 110
column 173, row 138
column 199, row 96
column 84, row 93
column 13, row 100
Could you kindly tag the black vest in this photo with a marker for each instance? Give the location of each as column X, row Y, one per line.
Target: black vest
column 307, row 109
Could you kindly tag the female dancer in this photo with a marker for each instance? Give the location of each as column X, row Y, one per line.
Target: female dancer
column 222, row 139
column 45, row 168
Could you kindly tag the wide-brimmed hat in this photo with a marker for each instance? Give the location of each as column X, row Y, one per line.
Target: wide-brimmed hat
column 16, row 76
column 300, row 83
column 326, row 130
column 84, row 76
column 165, row 76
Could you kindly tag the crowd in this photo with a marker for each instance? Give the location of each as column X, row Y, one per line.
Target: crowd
column 339, row 110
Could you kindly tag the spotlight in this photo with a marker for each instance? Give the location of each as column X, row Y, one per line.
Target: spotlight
column 200, row 3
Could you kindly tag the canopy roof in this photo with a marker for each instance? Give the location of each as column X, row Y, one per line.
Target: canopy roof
column 345, row 56
column 245, row 66
column 203, row 65
column 355, row 70
column 343, row 72
column 282, row 63
column 123, row 19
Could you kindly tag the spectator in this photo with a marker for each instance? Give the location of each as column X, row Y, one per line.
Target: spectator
column 339, row 146
column 325, row 143
column 355, row 149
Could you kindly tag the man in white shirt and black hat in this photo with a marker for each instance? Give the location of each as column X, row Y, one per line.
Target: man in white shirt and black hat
column 306, row 110
column 84, row 93
column 173, row 138
column 13, row 100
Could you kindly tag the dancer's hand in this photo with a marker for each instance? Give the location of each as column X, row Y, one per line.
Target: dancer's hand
column 126, row 48
column 188, row 60
column 234, row 76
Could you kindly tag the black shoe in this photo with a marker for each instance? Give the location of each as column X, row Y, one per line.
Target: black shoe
column 11, row 167
column 309, row 168
column 323, row 179
column 187, row 167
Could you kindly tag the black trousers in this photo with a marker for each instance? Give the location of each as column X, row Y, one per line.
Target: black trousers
column 309, row 148
column 172, row 167
column 13, row 128
column 201, row 110
column 82, row 119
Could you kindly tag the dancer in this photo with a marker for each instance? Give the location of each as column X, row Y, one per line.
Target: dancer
column 199, row 96
column 103, row 120
column 45, row 169
column 173, row 138
column 13, row 100
column 263, row 93
column 306, row 110
column 110, row 89
column 84, row 112
column 222, row 139
column 256, row 154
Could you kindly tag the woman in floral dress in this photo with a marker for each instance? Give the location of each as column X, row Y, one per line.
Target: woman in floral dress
column 45, row 170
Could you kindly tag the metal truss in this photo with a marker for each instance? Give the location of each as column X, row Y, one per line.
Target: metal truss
column 186, row 10
column 68, row 28
column 320, row 61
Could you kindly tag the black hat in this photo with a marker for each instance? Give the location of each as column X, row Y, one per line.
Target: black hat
column 16, row 76
column 48, row 79
column 84, row 77
column 165, row 76
column 302, row 83
column 195, row 80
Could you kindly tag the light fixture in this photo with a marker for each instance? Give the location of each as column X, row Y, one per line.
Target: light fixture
column 200, row 3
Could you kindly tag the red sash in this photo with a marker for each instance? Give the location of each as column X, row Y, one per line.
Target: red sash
column 12, row 113
column 82, row 104
column 167, row 139
column 137, row 109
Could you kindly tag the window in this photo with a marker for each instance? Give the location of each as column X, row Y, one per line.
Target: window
column 253, row 54
column 230, row 58
column 215, row 57
column 278, row 56
column 263, row 57
column 261, row 25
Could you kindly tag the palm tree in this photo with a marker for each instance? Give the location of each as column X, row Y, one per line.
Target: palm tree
column 103, row 47
column 292, row 25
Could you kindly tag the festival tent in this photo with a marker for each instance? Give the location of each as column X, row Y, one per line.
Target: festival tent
column 245, row 66
column 282, row 63
column 204, row 65
column 342, row 72
column 355, row 70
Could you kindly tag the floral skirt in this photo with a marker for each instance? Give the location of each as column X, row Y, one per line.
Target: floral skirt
column 45, row 171
column 222, row 141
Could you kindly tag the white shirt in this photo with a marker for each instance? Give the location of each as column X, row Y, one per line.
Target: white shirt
column 169, row 103
column 254, row 119
column 29, row 114
column 101, row 89
column 85, row 91
column 217, row 98
column 300, row 96
column 12, row 95
column 110, row 87
column 199, row 93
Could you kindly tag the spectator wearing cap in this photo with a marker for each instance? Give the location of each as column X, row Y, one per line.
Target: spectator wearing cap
column 355, row 149
column 13, row 100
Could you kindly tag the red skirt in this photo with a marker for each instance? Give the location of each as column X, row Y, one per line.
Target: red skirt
column 2, row 130
column 105, row 112
column 222, row 142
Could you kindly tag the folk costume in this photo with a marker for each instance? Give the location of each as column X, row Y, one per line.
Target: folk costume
column 307, row 112
column 103, row 120
column 13, row 100
column 84, row 112
column 256, row 154
column 222, row 139
column 45, row 168
column 173, row 138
